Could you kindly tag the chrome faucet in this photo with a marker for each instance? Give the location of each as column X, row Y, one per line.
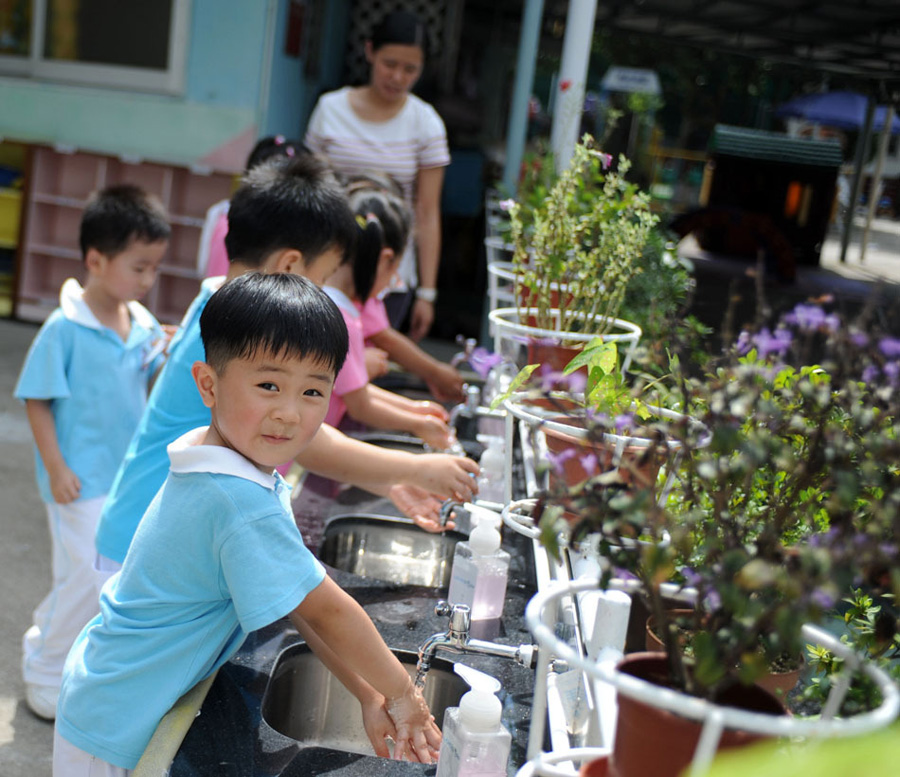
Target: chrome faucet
column 456, row 640
column 447, row 507
column 469, row 344
column 468, row 408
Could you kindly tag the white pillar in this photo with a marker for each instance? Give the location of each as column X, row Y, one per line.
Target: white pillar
column 876, row 179
column 568, row 102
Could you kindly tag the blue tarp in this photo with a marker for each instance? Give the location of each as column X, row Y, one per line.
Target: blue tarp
column 841, row 110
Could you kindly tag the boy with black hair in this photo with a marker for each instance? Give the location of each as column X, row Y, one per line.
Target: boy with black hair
column 288, row 215
column 274, row 344
column 84, row 384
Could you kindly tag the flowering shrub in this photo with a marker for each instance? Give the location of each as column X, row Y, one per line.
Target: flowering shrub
column 791, row 499
column 587, row 235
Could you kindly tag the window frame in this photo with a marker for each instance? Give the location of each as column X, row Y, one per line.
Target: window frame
column 170, row 81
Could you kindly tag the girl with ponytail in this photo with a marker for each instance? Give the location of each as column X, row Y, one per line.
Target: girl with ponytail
column 383, row 223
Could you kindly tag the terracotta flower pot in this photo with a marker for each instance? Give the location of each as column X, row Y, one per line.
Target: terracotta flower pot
column 652, row 640
column 652, row 741
column 599, row 767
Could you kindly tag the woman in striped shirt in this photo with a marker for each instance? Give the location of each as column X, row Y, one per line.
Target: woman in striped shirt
column 382, row 126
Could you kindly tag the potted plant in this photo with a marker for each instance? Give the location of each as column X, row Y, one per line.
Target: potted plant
column 790, row 498
column 575, row 251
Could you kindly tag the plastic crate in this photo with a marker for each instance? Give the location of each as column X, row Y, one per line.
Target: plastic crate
column 10, row 208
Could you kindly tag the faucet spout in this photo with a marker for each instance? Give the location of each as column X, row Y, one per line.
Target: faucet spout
column 456, row 640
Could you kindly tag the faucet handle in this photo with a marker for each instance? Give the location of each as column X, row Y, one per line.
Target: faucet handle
column 459, row 614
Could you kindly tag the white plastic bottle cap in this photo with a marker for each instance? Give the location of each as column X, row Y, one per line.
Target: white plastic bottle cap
column 484, row 539
column 480, row 711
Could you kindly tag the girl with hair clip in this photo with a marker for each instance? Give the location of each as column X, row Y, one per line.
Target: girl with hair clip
column 383, row 342
column 384, row 227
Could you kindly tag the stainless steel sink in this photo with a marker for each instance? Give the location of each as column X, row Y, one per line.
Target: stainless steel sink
column 306, row 702
column 390, row 549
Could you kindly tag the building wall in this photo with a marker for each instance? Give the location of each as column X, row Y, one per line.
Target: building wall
column 215, row 123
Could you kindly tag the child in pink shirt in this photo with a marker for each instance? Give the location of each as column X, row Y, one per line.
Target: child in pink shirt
column 384, row 225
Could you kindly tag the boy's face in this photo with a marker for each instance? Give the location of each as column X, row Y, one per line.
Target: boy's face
column 267, row 408
column 129, row 274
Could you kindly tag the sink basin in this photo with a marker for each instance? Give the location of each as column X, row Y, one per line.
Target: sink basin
column 306, row 702
column 391, row 549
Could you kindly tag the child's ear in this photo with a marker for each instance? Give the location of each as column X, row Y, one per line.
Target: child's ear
column 386, row 256
column 94, row 260
column 206, row 379
column 290, row 261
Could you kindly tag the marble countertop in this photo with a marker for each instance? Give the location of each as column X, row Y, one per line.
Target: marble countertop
column 230, row 736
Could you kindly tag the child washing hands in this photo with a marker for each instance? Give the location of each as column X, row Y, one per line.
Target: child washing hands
column 217, row 555
column 384, row 229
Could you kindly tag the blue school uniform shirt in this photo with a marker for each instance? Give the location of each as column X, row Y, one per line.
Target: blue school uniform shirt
column 174, row 408
column 96, row 385
column 217, row 555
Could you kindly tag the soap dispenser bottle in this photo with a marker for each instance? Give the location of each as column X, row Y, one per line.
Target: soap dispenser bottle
column 475, row 743
column 479, row 573
column 492, row 481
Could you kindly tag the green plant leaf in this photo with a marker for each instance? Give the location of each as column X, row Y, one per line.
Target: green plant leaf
column 515, row 384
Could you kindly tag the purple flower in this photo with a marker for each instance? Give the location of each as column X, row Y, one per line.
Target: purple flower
column 822, row 599
column 870, row 374
column 807, row 317
column 623, row 574
column 859, row 339
column 691, row 577
column 892, row 370
column 483, row 361
column 713, row 601
column 558, row 460
column 744, row 343
column 890, row 347
column 505, row 205
column 588, row 463
column 624, row 422
column 768, row 342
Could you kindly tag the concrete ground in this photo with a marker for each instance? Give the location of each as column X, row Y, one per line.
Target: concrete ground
column 26, row 741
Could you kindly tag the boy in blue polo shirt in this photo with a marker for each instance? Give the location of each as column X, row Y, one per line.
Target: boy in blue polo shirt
column 218, row 554
column 288, row 215
column 84, row 384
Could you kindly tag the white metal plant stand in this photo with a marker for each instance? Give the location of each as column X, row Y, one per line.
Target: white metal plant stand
column 507, row 328
column 540, row 616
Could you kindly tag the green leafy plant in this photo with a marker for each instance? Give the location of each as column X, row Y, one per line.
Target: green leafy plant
column 872, row 631
column 789, row 496
column 578, row 247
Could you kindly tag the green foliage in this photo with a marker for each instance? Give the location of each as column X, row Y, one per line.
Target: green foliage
column 872, row 633
column 578, row 242
column 786, row 491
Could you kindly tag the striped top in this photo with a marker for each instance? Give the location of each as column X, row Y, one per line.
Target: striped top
column 413, row 140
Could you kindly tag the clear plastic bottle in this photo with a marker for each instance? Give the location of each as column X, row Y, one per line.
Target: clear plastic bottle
column 479, row 573
column 492, row 481
column 476, row 743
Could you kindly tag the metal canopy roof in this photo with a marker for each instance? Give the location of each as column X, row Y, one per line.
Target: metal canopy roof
column 854, row 38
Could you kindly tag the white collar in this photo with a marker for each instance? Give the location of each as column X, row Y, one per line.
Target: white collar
column 188, row 454
column 341, row 300
column 74, row 308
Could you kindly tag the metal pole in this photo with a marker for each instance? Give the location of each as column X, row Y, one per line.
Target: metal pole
column 568, row 103
column 876, row 179
column 861, row 145
column 517, row 127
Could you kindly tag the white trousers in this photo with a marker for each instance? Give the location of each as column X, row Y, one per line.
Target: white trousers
column 70, row 761
column 74, row 596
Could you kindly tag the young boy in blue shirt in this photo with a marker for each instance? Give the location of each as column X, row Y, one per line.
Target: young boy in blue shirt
column 84, row 384
column 288, row 215
column 218, row 554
